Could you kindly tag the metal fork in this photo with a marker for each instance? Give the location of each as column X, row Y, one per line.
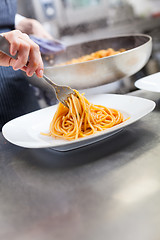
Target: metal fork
column 62, row 92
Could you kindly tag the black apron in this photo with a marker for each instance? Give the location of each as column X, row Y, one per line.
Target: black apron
column 16, row 95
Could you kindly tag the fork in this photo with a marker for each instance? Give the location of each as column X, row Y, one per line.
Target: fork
column 62, row 92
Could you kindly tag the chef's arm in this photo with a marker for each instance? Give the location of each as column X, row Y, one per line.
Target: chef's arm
column 31, row 27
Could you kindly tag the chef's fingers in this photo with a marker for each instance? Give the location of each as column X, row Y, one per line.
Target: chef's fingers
column 27, row 50
column 35, row 62
column 39, row 71
column 16, row 45
column 4, row 59
column 23, row 54
column 12, row 38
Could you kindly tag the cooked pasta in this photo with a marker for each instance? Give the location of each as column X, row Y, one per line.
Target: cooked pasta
column 95, row 55
column 82, row 118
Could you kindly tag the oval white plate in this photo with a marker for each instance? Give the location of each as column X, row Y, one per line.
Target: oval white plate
column 149, row 83
column 25, row 131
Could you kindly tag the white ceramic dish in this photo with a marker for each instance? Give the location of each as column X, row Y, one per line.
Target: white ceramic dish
column 25, row 131
column 149, row 83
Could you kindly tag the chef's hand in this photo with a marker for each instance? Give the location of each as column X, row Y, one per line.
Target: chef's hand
column 27, row 49
column 33, row 27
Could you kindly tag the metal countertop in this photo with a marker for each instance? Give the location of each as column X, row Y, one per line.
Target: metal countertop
column 108, row 190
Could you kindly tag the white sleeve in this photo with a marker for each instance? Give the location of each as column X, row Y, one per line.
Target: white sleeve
column 18, row 18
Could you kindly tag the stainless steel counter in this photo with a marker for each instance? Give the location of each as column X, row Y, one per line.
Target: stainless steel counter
column 109, row 190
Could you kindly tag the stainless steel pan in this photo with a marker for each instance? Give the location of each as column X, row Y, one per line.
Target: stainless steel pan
column 101, row 71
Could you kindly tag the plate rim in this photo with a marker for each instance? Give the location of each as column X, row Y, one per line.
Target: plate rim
column 147, row 79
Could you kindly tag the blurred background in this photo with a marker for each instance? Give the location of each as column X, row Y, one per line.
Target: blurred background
column 75, row 21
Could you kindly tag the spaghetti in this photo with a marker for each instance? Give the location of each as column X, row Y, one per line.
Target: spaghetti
column 95, row 55
column 82, row 118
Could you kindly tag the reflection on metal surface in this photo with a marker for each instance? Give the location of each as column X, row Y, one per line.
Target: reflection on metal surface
column 138, row 190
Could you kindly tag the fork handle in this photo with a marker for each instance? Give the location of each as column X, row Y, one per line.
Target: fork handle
column 50, row 81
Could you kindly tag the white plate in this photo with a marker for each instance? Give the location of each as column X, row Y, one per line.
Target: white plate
column 149, row 83
column 25, row 131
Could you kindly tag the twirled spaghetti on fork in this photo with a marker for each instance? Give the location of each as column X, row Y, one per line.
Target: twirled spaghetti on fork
column 82, row 118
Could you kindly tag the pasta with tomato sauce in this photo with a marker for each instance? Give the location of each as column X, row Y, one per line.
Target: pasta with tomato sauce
column 82, row 118
column 95, row 55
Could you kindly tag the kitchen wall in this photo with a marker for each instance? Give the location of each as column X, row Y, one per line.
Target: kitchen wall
column 144, row 8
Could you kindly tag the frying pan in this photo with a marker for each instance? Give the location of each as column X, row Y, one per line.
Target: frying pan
column 99, row 71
